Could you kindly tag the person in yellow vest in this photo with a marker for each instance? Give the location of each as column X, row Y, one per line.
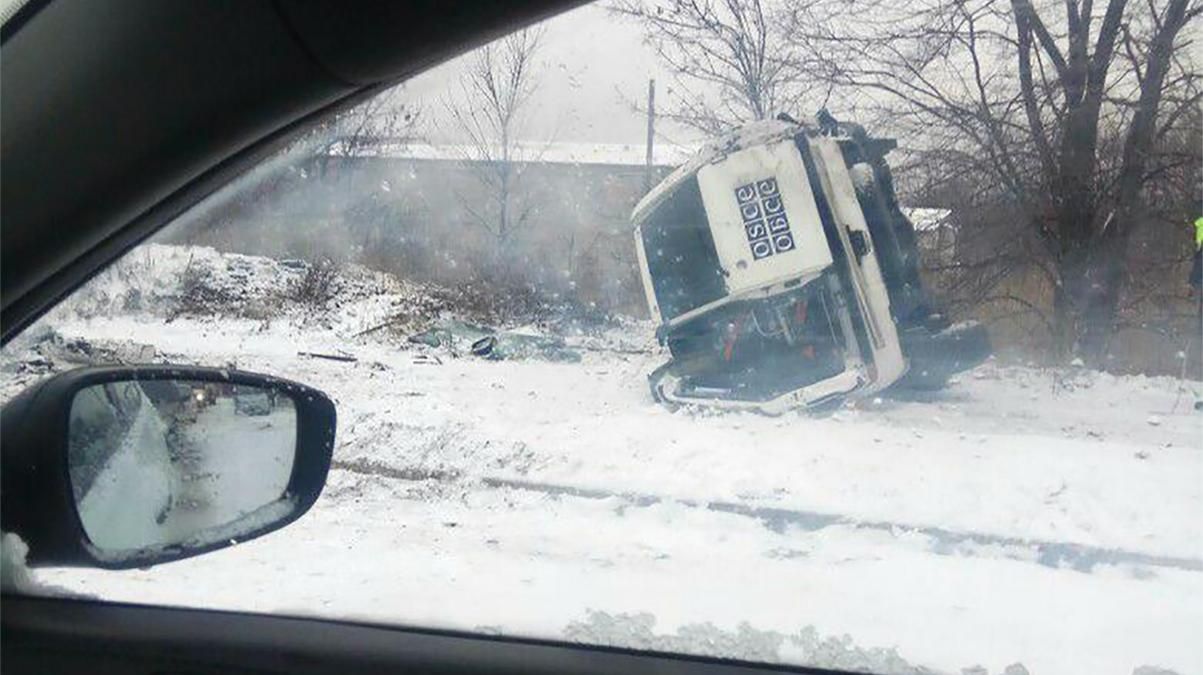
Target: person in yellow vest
column 1196, row 268
column 1196, row 276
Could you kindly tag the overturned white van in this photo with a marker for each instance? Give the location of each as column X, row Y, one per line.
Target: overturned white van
column 784, row 275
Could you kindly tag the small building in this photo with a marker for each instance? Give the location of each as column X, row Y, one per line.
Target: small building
column 936, row 233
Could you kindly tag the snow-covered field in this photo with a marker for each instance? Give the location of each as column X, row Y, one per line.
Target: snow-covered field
column 1048, row 518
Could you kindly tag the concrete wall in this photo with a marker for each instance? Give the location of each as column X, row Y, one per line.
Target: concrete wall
column 435, row 220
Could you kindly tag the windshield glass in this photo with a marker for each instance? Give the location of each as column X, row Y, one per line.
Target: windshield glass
column 951, row 421
column 682, row 263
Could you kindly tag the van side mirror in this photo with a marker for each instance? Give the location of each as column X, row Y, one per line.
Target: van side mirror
column 121, row 467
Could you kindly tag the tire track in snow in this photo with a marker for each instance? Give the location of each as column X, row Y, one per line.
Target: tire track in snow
column 1080, row 557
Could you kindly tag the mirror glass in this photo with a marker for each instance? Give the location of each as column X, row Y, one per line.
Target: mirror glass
column 160, row 462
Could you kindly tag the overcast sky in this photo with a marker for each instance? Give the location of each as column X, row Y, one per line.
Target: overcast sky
column 591, row 65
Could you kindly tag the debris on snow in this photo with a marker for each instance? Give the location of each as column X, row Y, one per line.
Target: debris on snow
column 458, row 336
column 329, row 357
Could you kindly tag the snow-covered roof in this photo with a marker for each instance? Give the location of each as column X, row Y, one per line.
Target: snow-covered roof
column 926, row 220
column 555, row 152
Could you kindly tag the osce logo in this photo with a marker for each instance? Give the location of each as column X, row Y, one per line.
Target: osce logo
column 764, row 218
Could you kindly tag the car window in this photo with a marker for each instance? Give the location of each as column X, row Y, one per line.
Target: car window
column 853, row 335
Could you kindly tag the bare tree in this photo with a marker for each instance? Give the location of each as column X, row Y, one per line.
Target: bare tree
column 489, row 113
column 729, row 60
column 385, row 120
column 1054, row 114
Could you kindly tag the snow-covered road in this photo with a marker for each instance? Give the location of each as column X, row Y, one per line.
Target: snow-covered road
column 1051, row 519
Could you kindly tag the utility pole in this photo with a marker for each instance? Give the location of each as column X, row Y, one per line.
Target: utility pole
column 651, row 132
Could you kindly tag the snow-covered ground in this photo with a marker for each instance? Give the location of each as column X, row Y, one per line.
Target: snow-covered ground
column 1049, row 518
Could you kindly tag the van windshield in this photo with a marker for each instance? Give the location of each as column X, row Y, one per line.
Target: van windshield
column 681, row 258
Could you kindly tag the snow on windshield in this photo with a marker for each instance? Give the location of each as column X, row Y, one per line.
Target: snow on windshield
column 991, row 461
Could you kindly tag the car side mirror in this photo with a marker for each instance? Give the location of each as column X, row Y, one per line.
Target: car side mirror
column 121, row 467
